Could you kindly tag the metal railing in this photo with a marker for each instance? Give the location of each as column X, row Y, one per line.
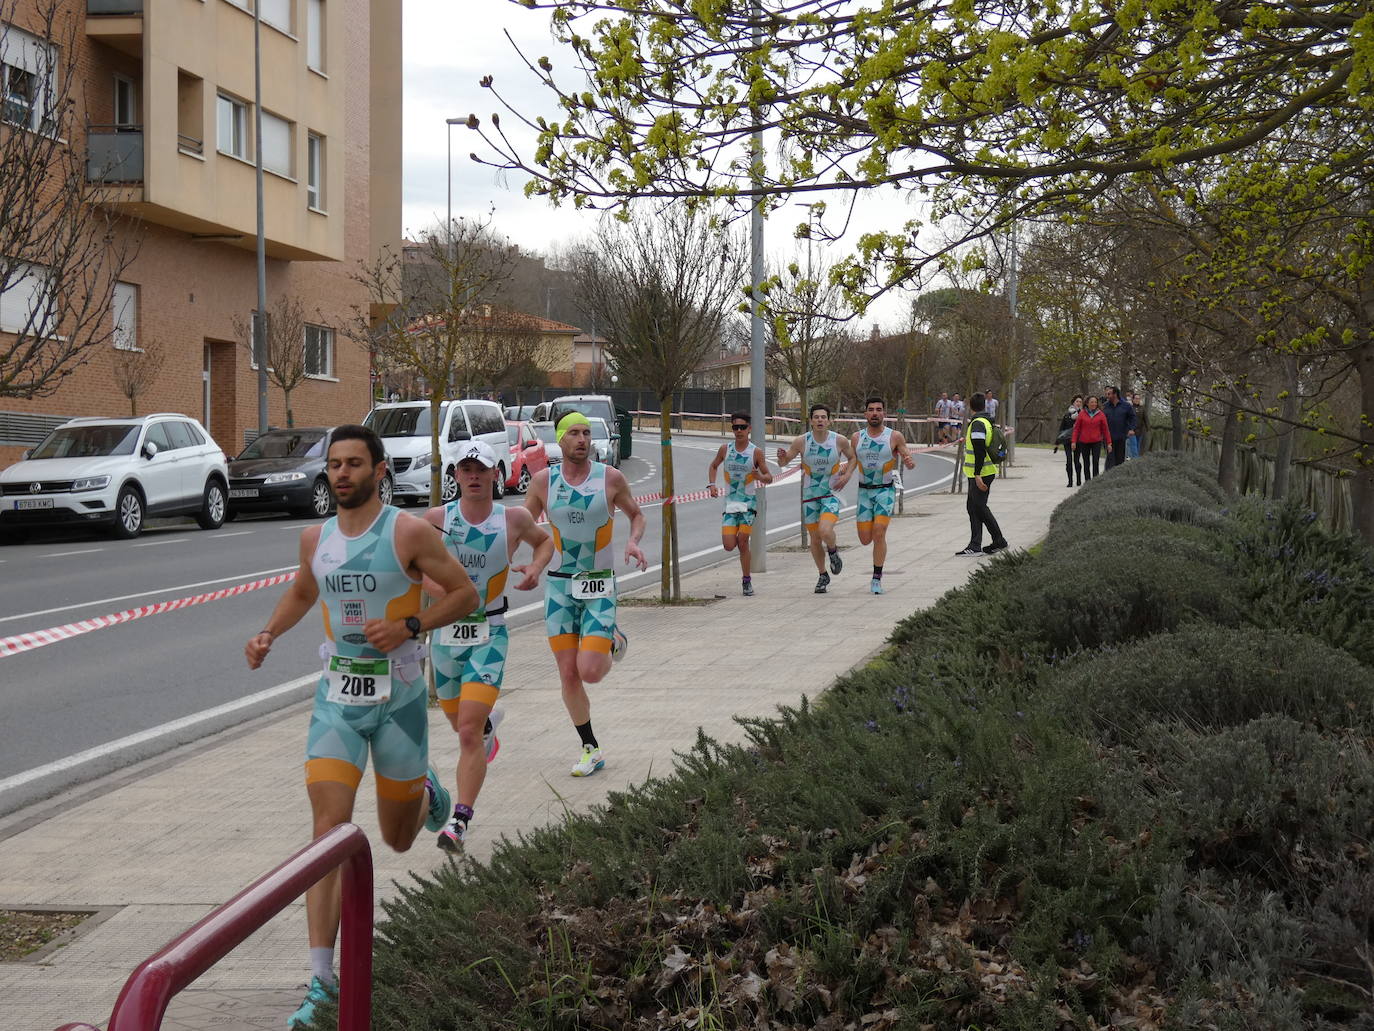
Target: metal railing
column 143, row 1001
column 190, row 144
column 114, row 154
column 114, row 6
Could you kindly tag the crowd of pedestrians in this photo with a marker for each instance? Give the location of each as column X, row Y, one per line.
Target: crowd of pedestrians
column 1092, row 428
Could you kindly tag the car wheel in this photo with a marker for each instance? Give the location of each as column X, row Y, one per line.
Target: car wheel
column 212, row 507
column 524, row 485
column 128, row 522
column 384, row 490
column 498, row 489
column 321, row 500
column 230, row 515
column 449, row 487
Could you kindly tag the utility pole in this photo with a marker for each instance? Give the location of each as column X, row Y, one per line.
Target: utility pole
column 757, row 395
column 260, row 323
column 1014, row 364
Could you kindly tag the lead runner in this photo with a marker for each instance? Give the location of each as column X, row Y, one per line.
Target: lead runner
column 580, row 498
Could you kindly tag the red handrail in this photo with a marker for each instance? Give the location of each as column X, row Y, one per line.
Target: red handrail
column 143, row 1001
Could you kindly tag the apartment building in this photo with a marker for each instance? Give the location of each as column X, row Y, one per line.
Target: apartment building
column 165, row 108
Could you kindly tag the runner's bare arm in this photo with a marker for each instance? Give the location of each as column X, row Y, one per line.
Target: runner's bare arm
column 537, row 496
column 790, row 452
column 435, row 518
column 619, row 495
column 295, row 602
column 711, row 471
column 761, row 472
column 899, row 446
column 420, row 548
column 851, row 453
column 521, row 527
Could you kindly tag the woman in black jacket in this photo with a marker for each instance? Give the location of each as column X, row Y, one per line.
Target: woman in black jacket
column 1072, row 469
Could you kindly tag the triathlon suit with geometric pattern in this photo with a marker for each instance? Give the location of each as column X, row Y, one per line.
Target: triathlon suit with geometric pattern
column 877, row 492
column 581, row 521
column 741, row 502
column 473, row 671
column 820, row 461
column 367, row 699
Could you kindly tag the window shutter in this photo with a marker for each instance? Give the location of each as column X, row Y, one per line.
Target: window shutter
column 276, row 144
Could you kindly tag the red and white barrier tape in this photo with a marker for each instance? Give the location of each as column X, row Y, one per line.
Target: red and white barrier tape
column 40, row 638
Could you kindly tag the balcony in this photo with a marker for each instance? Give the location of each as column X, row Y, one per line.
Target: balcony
column 114, row 155
column 114, row 7
column 116, row 23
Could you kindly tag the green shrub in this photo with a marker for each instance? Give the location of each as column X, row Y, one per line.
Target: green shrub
column 1105, row 531
column 1175, row 467
column 1210, row 677
column 1079, row 598
column 1300, row 576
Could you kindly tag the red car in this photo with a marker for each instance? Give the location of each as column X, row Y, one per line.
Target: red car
column 527, row 455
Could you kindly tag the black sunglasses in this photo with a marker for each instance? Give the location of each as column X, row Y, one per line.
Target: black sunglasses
column 740, row 426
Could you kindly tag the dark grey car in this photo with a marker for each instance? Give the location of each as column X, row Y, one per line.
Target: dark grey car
column 282, row 471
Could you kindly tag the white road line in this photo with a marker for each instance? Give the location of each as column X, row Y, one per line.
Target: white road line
column 151, row 734
column 64, row 554
column 238, row 533
column 154, row 544
column 143, row 594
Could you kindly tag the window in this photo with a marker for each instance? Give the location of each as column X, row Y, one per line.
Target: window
column 28, row 71
column 26, row 303
column 277, row 13
column 314, row 34
column 319, row 351
column 276, row 144
column 233, row 127
column 314, row 172
column 125, row 308
column 157, row 434
column 125, row 103
column 181, row 434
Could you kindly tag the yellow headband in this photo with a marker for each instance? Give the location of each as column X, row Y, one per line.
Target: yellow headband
column 567, row 422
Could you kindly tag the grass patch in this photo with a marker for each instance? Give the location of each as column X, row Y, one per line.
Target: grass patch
column 1065, row 796
column 24, row 932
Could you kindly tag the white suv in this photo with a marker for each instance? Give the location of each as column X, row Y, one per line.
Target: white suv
column 117, row 472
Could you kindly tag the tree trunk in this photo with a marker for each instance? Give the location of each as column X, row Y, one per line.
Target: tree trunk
column 133, row 406
column 436, row 460
column 1230, row 434
column 1288, row 432
column 1175, row 393
column 290, row 417
column 665, row 416
column 677, row 566
column 801, row 480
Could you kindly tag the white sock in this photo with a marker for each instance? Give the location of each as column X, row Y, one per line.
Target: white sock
column 322, row 965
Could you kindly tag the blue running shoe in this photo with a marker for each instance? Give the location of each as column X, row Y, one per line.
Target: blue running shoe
column 440, row 804
column 877, row 586
column 305, row 1016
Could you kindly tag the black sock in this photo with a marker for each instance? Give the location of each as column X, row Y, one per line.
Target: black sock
column 584, row 731
column 877, row 572
column 832, row 550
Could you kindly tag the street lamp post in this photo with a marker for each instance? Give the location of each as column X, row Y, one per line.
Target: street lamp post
column 448, row 224
column 260, row 323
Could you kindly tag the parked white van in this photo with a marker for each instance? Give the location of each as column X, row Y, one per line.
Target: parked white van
column 405, row 431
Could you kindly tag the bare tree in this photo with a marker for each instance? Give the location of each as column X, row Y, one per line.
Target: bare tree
column 662, row 284
column 441, row 326
column 60, row 252
column 137, row 368
column 285, row 346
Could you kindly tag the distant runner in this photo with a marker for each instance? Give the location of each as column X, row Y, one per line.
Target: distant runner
column 469, row 656
column 365, row 567
column 745, row 468
column 821, row 451
column 878, row 447
column 580, row 497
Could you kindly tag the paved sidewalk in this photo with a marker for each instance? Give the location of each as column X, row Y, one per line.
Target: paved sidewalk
column 163, row 843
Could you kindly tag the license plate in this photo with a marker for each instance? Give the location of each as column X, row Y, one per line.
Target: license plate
column 243, row 492
column 28, row 503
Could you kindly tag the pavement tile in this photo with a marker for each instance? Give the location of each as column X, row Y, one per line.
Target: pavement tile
column 193, row 831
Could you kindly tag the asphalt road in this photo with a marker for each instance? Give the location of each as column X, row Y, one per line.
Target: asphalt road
column 82, row 707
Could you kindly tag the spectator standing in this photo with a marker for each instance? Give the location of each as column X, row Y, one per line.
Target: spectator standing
column 1072, row 469
column 1135, row 446
column 980, row 470
column 1090, row 432
column 1121, row 422
column 990, row 405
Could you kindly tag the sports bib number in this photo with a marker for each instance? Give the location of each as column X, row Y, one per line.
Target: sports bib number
column 358, row 681
column 595, row 583
column 466, row 632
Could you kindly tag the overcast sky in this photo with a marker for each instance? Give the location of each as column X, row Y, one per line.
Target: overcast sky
column 449, row 45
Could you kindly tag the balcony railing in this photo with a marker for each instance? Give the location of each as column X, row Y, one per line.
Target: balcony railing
column 114, row 6
column 190, row 144
column 114, row 154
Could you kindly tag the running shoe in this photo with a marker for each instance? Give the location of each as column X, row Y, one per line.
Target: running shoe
column 970, row 550
column 305, row 1016
column 836, row 563
column 489, row 739
column 748, row 588
column 620, row 644
column 453, row 835
column 876, row 586
column 994, row 546
column 822, row 582
column 590, row 762
column 440, row 804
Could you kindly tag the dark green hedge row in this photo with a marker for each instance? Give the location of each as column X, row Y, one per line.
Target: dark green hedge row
column 1125, row 779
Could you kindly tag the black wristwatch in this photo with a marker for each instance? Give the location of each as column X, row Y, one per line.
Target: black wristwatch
column 413, row 625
